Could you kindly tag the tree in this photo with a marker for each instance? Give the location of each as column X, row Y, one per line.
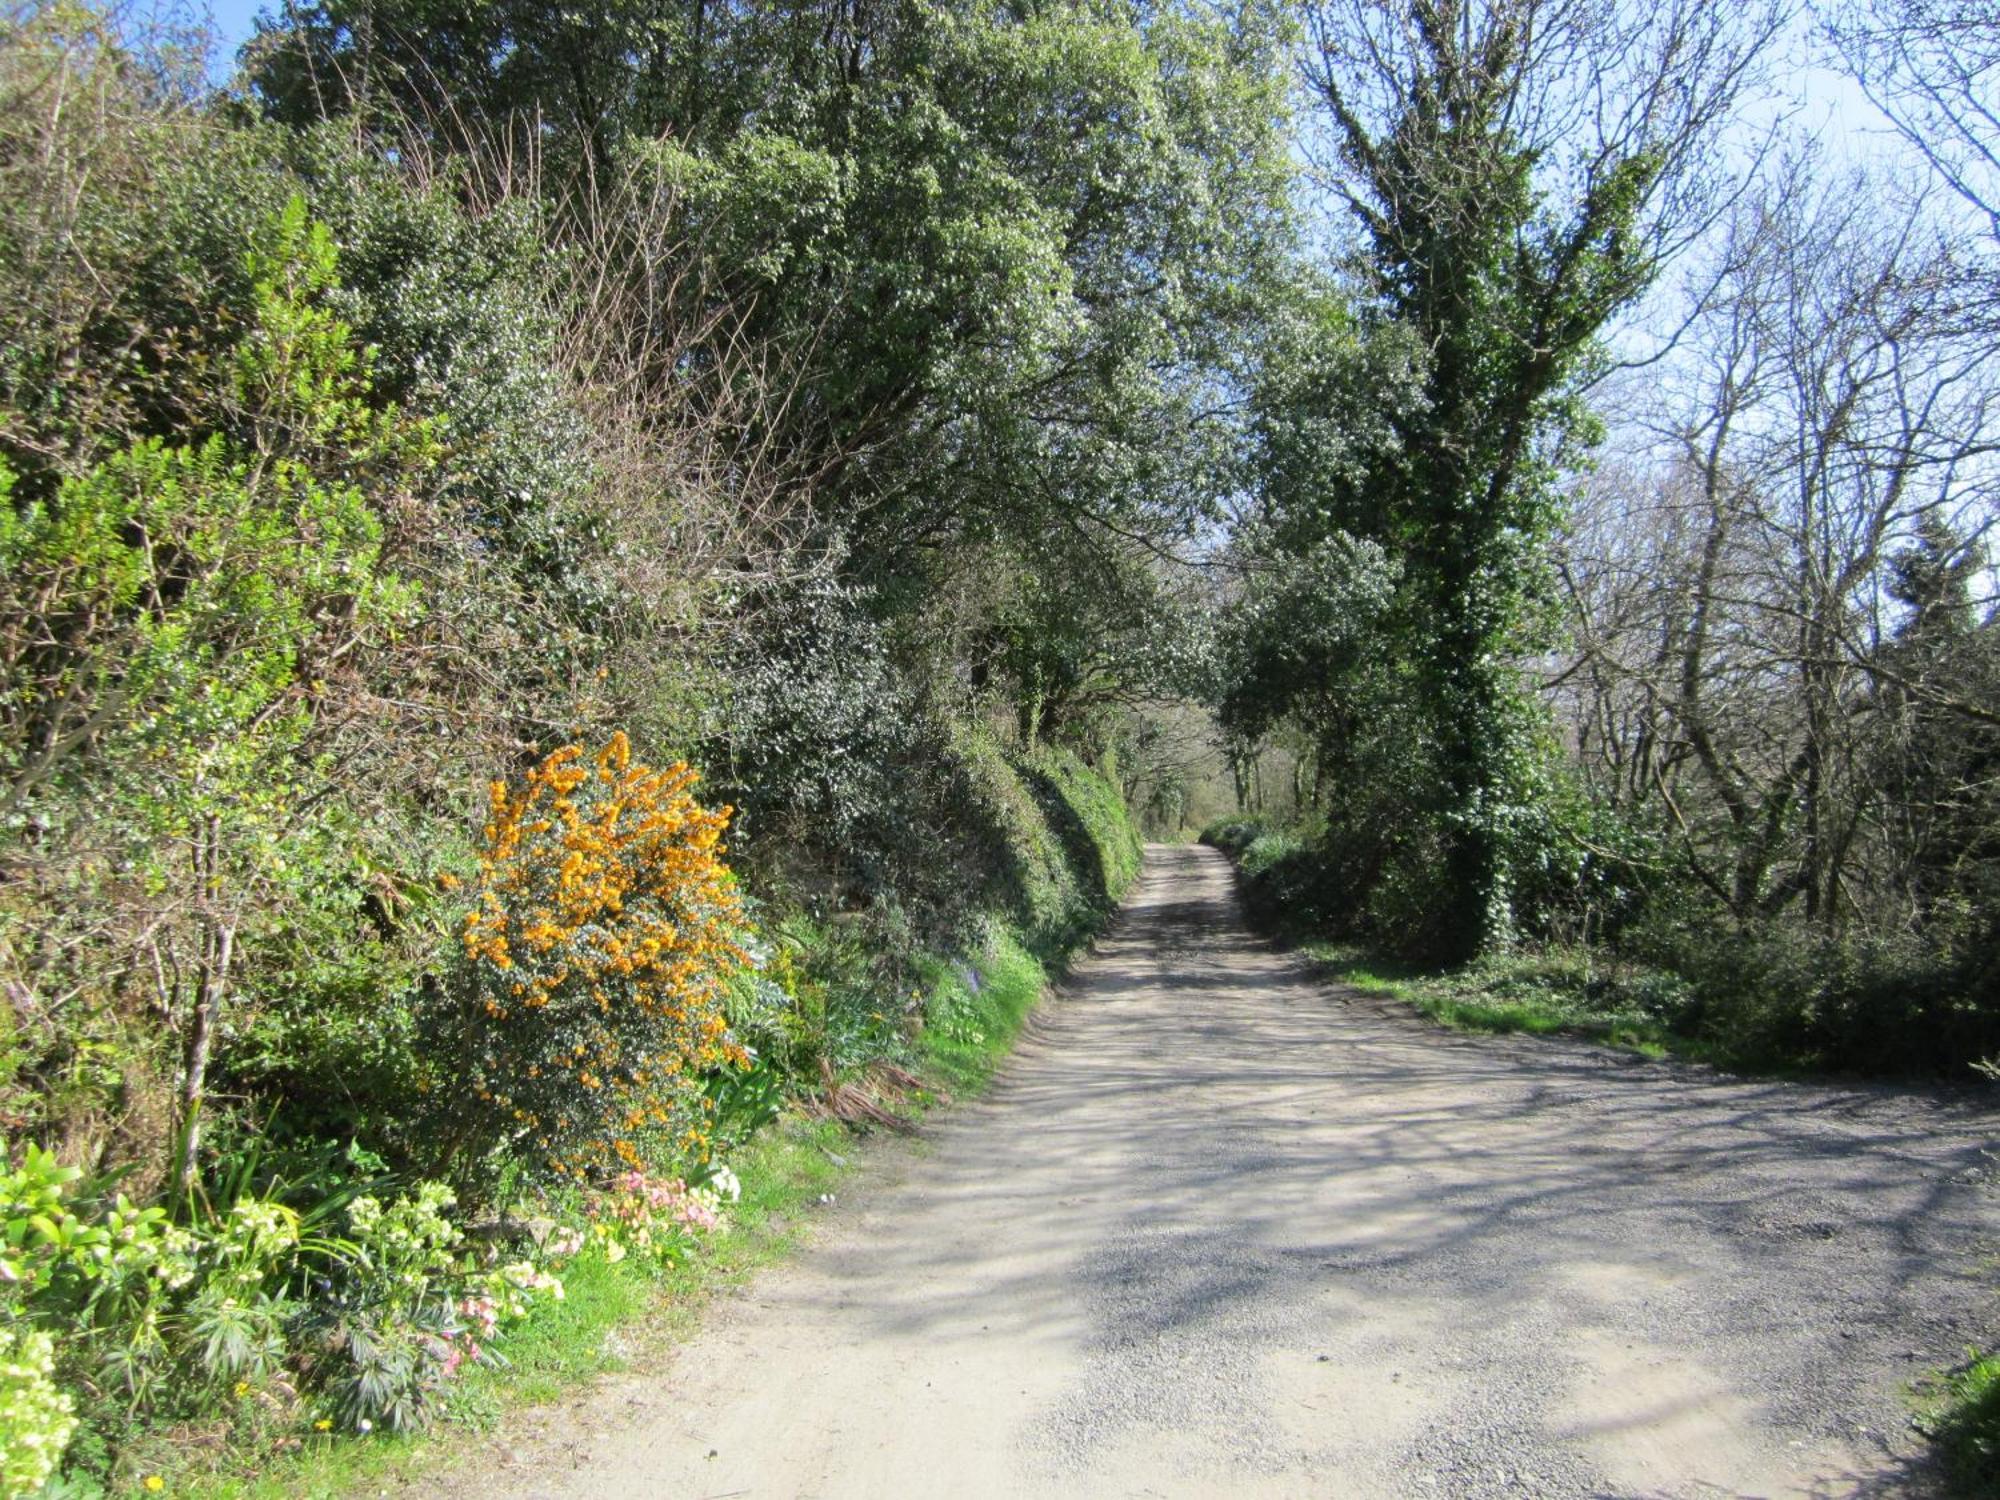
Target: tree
column 1016, row 253
column 1788, row 587
column 1933, row 67
column 1517, row 171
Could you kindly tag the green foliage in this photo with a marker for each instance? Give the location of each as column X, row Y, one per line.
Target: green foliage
column 1090, row 818
column 1057, row 851
column 156, row 1318
column 1299, row 640
column 743, row 1101
column 976, row 1005
column 850, row 787
column 832, row 1001
column 1405, row 465
column 1570, row 991
column 389, row 1330
column 1268, row 851
column 1039, row 889
column 1774, row 995
column 210, row 573
column 38, row 1231
column 1630, row 970
column 170, row 614
column 817, row 416
column 244, row 1306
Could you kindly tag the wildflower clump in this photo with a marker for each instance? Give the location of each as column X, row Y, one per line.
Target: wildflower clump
column 604, row 937
column 36, row 1419
column 661, row 1218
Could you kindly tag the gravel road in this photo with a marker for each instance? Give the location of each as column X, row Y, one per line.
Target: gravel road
column 1224, row 1230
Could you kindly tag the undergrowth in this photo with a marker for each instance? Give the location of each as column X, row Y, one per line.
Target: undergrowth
column 968, row 1011
column 611, row 1312
column 975, row 1012
column 1542, row 994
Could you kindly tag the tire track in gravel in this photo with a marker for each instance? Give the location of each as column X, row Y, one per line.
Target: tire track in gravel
column 1221, row 1229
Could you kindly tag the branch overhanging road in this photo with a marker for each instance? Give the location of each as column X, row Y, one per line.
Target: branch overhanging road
column 1223, row 1230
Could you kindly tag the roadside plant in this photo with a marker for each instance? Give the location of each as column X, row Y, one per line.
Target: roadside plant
column 155, row 1318
column 36, row 1419
column 390, row 1327
column 664, row 1218
column 603, row 944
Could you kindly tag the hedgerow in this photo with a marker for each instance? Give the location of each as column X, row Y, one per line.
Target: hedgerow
column 350, row 466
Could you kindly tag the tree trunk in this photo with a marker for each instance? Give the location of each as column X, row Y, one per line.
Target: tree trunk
column 218, row 949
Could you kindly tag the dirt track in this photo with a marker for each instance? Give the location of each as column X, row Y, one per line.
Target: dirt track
column 1222, row 1230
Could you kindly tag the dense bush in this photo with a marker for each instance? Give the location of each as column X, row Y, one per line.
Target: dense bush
column 605, row 934
column 1775, row 995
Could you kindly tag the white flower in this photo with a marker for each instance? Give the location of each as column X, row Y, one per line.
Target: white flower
column 725, row 1184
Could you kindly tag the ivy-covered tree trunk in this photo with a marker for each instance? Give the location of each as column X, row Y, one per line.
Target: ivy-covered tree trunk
column 1501, row 225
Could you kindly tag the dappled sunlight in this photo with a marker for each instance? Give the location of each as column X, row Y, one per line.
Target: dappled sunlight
column 1283, row 1237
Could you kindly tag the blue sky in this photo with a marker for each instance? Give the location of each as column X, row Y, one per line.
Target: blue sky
column 233, row 23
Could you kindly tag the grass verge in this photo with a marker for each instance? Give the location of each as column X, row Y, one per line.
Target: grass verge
column 1959, row 1410
column 1545, row 994
column 975, row 1013
column 610, row 1311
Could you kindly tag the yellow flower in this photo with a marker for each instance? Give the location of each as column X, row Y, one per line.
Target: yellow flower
column 324, row 1424
column 154, row 1482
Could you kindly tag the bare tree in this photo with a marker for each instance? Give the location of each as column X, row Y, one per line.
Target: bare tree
column 1933, row 67
column 1737, row 614
column 1582, row 89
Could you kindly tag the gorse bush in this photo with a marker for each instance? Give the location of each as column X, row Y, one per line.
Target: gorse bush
column 605, row 936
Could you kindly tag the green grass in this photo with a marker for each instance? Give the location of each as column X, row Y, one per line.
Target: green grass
column 1959, row 1411
column 1550, row 994
column 973, row 1021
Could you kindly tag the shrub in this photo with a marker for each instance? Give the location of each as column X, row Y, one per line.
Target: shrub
column 1268, row 850
column 1774, row 995
column 156, row 1320
column 173, row 615
column 602, row 947
column 1233, row 835
column 824, row 1008
column 391, row 1330
column 855, row 793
